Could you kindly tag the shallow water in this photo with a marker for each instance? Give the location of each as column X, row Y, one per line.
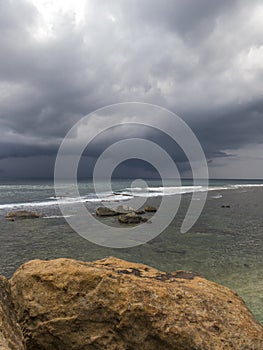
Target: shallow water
column 225, row 245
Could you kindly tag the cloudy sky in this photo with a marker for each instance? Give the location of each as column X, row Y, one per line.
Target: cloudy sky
column 201, row 59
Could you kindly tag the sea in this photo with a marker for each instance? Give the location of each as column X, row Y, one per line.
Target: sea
column 225, row 245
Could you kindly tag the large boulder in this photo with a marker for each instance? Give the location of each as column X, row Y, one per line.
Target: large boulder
column 112, row 304
column 104, row 211
column 22, row 214
column 10, row 333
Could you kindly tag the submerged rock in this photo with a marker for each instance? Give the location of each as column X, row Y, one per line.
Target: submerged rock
column 112, row 304
column 22, row 214
column 124, row 209
column 149, row 208
column 10, row 333
column 104, row 211
column 131, row 218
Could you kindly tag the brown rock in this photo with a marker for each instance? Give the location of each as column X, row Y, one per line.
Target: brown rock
column 104, row 211
column 22, row 214
column 10, row 333
column 139, row 211
column 112, row 304
column 131, row 218
column 150, row 209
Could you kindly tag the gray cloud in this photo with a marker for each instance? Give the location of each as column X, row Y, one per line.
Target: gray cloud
column 187, row 18
column 13, row 150
column 201, row 59
column 232, row 128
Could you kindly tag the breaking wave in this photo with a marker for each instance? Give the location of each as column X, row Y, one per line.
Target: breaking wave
column 124, row 194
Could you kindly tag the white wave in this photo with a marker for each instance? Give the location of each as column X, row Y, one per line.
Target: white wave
column 125, row 195
column 175, row 190
column 64, row 201
column 162, row 191
column 114, row 198
column 246, row 185
column 217, row 196
column 41, row 204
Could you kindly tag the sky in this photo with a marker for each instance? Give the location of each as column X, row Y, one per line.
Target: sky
column 63, row 59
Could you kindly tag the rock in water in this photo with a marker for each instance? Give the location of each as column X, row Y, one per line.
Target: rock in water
column 104, row 211
column 10, row 333
column 131, row 218
column 139, row 211
column 150, row 209
column 22, row 214
column 124, row 209
column 112, row 304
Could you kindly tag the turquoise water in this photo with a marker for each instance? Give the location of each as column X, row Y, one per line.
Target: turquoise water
column 225, row 245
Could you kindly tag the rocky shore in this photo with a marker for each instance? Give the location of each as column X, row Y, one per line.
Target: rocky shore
column 112, row 304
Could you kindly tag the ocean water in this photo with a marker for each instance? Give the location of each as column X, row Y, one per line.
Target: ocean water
column 225, row 245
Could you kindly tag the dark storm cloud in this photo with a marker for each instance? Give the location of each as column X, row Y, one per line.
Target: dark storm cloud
column 232, row 128
column 200, row 59
column 12, row 150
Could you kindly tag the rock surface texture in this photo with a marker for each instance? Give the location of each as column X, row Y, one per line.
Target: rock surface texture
column 131, row 218
column 150, row 209
column 22, row 214
column 104, row 211
column 10, row 334
column 112, row 304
